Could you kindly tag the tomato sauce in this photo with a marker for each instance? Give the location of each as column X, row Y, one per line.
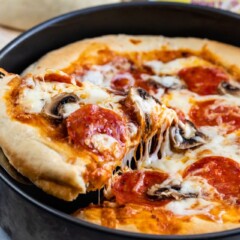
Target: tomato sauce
column 55, row 77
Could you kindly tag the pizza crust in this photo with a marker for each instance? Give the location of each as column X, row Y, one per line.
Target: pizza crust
column 194, row 225
column 199, row 226
column 227, row 55
column 33, row 156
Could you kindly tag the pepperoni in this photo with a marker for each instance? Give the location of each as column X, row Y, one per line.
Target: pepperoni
column 220, row 172
column 132, row 187
column 92, row 119
column 203, row 80
column 55, row 77
column 214, row 113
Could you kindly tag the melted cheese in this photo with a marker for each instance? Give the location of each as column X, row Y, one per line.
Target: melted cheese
column 173, row 67
column 147, row 106
column 164, row 81
column 36, row 94
column 173, row 163
column 104, row 142
column 94, row 77
column 69, row 108
column 225, row 146
column 103, row 75
column 179, row 99
column 190, row 206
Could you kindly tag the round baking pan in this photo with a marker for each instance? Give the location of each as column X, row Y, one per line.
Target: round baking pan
column 26, row 212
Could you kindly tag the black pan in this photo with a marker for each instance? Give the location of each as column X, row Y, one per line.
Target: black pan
column 26, row 212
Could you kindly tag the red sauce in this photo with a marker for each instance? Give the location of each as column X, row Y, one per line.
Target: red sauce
column 54, row 77
column 180, row 113
column 121, row 83
column 220, row 172
column 203, row 80
column 131, row 187
column 92, row 119
column 205, row 114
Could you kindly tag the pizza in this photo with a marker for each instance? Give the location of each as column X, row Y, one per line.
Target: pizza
column 153, row 122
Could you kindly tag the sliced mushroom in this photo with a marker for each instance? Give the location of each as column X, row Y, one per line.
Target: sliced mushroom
column 171, row 192
column 229, row 88
column 185, row 136
column 54, row 109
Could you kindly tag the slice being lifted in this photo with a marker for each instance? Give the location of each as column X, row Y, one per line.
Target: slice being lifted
column 71, row 136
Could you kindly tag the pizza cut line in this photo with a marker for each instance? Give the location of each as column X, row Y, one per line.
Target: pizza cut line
column 152, row 120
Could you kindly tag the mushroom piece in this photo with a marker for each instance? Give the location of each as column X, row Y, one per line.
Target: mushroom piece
column 229, row 88
column 185, row 136
column 171, row 192
column 54, row 109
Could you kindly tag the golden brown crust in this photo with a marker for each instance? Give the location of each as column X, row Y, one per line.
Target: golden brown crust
column 146, row 224
column 198, row 226
column 227, row 55
column 32, row 155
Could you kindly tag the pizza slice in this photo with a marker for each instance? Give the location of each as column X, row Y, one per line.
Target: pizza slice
column 67, row 137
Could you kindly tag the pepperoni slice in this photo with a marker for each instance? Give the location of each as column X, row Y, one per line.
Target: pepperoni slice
column 203, row 80
column 215, row 113
column 131, row 187
column 220, row 172
column 55, row 77
column 92, row 119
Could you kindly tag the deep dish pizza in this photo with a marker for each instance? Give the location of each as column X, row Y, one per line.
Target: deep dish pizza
column 153, row 121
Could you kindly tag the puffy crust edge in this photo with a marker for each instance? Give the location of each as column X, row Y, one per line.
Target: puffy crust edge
column 227, row 55
column 31, row 155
